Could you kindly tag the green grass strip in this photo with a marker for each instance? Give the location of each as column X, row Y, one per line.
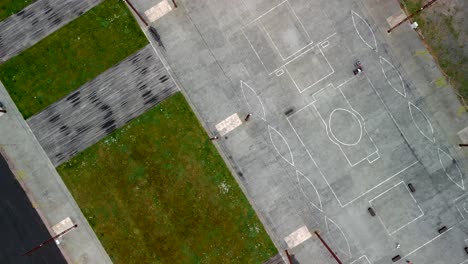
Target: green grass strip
column 71, row 56
column 157, row 191
column 11, row 7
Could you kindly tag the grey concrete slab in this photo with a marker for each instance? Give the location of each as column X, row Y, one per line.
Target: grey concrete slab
column 36, row 21
column 44, row 187
column 301, row 165
column 102, row 105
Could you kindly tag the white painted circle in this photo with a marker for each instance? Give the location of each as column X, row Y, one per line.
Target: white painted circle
column 339, row 115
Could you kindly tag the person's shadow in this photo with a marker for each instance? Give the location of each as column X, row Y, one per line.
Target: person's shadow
column 293, row 259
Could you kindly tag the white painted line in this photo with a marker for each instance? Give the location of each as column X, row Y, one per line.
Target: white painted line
column 290, row 160
column 460, row 211
column 337, row 142
column 362, row 257
column 309, row 42
column 297, row 237
column 262, row 26
column 250, row 43
column 321, row 79
column 431, row 137
column 345, row 82
column 262, row 115
column 450, row 159
column 228, row 124
column 158, row 11
column 319, row 207
column 329, row 37
column 405, row 225
column 302, row 25
column 348, row 253
column 410, row 222
column 315, row 163
column 412, row 252
column 382, row 61
column 464, row 207
column 279, row 72
column 301, row 109
column 355, row 118
column 300, row 50
column 373, row 157
column 378, row 185
column 386, row 108
column 353, row 14
column 459, row 197
column 324, row 44
column 307, row 47
column 262, row 15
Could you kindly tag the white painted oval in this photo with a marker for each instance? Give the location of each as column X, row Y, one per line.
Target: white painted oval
column 421, row 122
column 364, row 31
column 340, row 116
column 451, row 169
column 253, row 101
column 311, row 195
column 393, row 77
column 337, row 237
column 281, row 145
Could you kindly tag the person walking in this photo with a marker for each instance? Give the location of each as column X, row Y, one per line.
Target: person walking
column 2, row 110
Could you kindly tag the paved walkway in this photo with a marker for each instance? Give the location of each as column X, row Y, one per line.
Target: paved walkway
column 36, row 21
column 20, row 225
column 102, row 105
column 240, row 56
column 46, row 190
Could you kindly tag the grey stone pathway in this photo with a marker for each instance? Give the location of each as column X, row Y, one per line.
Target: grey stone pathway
column 277, row 259
column 102, row 105
column 37, row 21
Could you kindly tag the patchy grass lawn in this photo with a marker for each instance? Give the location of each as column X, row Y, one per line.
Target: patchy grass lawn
column 71, row 56
column 11, row 7
column 442, row 26
column 157, row 191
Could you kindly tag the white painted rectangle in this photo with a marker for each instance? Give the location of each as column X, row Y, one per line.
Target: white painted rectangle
column 228, row 124
column 158, row 11
column 298, row 236
column 463, row 134
column 62, row 226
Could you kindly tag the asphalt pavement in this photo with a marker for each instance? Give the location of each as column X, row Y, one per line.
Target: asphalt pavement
column 20, row 225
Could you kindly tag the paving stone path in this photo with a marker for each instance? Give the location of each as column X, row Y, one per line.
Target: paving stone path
column 36, row 21
column 102, row 105
column 277, row 259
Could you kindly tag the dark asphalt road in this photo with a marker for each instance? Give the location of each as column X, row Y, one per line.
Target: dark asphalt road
column 21, row 228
